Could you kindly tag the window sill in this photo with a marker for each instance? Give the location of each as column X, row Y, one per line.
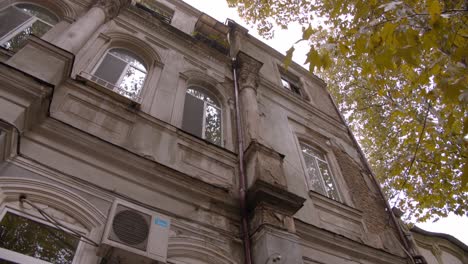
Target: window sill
column 108, row 89
column 338, row 217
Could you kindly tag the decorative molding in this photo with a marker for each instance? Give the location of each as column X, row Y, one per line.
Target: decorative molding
column 155, row 29
column 330, row 243
column 112, row 8
column 208, row 169
column 249, row 69
column 186, row 248
column 338, row 217
column 144, row 169
column 54, row 196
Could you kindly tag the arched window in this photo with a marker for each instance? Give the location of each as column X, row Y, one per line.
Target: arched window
column 319, row 176
column 21, row 20
column 202, row 115
column 121, row 71
column 27, row 239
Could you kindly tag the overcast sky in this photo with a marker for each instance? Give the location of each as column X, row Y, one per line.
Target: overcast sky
column 283, row 40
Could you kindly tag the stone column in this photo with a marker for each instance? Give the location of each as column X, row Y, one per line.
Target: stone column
column 81, row 30
column 248, row 82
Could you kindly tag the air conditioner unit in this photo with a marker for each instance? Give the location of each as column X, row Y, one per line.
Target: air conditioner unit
column 136, row 230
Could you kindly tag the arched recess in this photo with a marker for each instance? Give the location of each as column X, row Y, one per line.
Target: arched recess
column 59, row 8
column 201, row 79
column 196, row 78
column 52, row 195
column 136, row 45
column 189, row 250
column 96, row 50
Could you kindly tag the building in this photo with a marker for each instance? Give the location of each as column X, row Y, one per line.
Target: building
column 438, row 248
column 121, row 125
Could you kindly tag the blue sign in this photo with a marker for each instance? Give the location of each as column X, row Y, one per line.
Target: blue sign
column 160, row 222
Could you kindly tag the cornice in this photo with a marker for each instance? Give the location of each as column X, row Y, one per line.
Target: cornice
column 25, row 83
column 153, row 25
column 278, row 55
column 314, row 237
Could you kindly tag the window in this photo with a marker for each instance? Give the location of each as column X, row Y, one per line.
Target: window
column 202, row 115
column 156, row 10
column 291, row 83
column 319, row 176
column 21, row 20
column 121, row 71
column 23, row 240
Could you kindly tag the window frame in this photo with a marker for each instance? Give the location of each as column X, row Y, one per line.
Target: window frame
column 32, row 19
column 294, row 87
column 115, row 87
column 210, row 94
column 10, row 255
column 322, row 180
column 293, row 81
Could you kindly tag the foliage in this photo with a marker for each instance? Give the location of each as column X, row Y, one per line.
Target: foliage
column 399, row 72
column 37, row 240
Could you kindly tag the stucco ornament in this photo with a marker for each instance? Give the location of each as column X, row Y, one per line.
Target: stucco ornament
column 112, row 7
column 249, row 69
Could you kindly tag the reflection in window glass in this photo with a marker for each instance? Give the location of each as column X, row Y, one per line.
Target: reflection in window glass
column 22, row 20
column 318, row 172
column 209, row 113
column 36, row 240
column 124, row 71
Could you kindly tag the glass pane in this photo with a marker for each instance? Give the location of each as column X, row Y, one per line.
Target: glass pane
column 38, row 28
column 110, row 69
column 213, row 124
column 132, row 82
column 193, row 115
column 328, row 179
column 38, row 12
column 312, row 151
column 314, row 175
column 10, row 18
column 295, row 89
column 129, row 57
column 285, row 84
column 37, row 240
column 202, row 95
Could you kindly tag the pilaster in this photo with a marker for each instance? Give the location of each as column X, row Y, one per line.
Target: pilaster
column 78, row 33
column 249, row 69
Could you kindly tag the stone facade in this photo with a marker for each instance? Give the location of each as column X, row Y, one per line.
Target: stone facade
column 438, row 248
column 74, row 144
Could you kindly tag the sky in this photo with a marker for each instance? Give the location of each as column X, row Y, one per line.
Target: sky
column 453, row 225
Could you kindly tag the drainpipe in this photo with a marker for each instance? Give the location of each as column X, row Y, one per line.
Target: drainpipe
column 242, row 178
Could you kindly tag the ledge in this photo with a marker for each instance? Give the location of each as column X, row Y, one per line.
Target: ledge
column 264, row 193
column 338, row 217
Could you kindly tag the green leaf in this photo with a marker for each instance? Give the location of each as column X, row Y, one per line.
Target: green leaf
column 288, row 58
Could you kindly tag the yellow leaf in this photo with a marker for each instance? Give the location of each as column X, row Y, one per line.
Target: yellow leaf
column 288, row 58
column 464, row 179
column 307, row 33
column 434, row 10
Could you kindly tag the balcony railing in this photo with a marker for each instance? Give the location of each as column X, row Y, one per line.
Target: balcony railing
column 110, row 88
